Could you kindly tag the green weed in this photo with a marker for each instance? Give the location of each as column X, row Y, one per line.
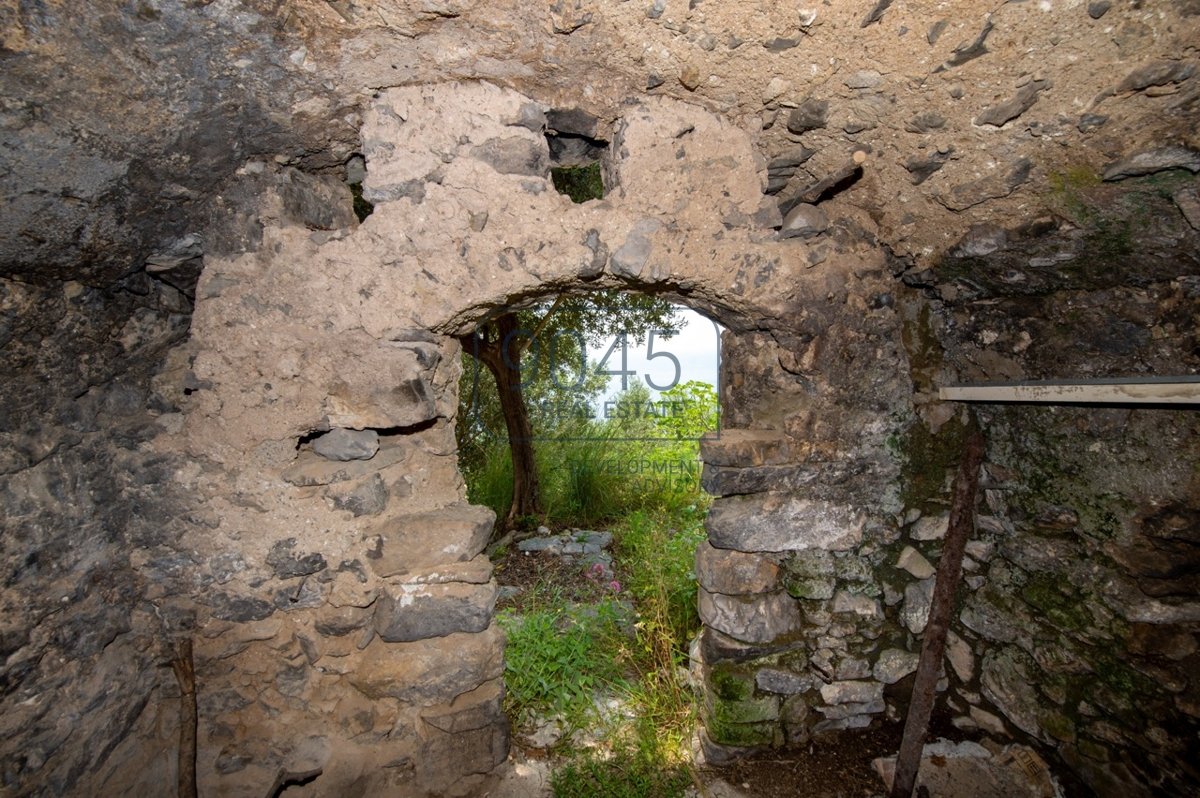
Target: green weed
column 558, row 657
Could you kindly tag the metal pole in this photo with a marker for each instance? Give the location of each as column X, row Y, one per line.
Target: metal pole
column 962, row 509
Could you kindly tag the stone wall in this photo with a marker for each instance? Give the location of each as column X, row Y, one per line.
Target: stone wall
column 85, row 497
column 1079, row 626
column 1027, row 208
column 346, row 600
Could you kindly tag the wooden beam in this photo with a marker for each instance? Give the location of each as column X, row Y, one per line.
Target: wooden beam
column 1134, row 391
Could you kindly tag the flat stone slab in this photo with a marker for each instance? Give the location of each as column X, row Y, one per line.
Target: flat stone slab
column 311, row 469
column 423, row 541
column 734, row 572
column 347, row 444
column 775, row 522
column 576, row 542
column 950, row 770
column 429, row 672
column 745, row 447
column 418, row 612
column 751, row 619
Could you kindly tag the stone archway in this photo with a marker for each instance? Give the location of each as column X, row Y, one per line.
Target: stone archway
column 348, row 624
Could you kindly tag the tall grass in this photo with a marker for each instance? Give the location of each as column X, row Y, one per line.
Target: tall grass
column 591, row 480
column 650, row 755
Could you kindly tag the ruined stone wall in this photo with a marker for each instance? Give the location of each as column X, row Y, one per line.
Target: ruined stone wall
column 153, row 491
column 80, row 644
column 1079, row 621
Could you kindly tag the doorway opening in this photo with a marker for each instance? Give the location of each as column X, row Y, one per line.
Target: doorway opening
column 598, row 597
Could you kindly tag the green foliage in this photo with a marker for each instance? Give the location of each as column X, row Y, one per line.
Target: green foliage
column 594, row 471
column 362, row 208
column 580, row 183
column 635, row 767
column 558, row 657
column 558, row 382
column 661, row 552
column 649, row 755
column 489, row 478
column 697, row 405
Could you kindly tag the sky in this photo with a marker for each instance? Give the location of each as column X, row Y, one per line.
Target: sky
column 696, row 347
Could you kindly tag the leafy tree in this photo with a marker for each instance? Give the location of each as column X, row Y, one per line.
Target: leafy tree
column 541, row 352
column 690, row 411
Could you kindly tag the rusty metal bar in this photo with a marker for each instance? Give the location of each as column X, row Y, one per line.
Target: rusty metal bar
column 949, row 570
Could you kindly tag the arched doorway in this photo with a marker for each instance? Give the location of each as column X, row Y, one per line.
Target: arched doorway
column 380, row 621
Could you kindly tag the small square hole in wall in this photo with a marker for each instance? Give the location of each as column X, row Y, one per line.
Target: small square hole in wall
column 575, row 154
column 580, row 183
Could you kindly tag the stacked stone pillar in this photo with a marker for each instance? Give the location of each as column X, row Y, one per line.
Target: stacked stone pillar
column 789, row 600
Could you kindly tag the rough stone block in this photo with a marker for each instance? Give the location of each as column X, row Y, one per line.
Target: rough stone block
column 347, row 444
column 918, row 597
column 774, row 522
column 753, row 619
column 745, row 447
column 734, row 572
column 515, row 155
column 368, row 498
column 429, row 672
column 286, row 563
column 733, row 481
column 915, row 563
column 894, row 664
column 771, row 680
column 930, row 527
column 717, row 646
column 960, row 657
column 476, row 572
column 310, row 469
column 851, row 692
column 845, row 711
column 379, row 389
column 338, row 621
column 856, row 604
column 1007, row 679
column 425, row 540
column 742, row 723
column 477, row 709
column 417, row 612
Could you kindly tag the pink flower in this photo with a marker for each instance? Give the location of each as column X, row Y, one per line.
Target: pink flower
column 614, row 586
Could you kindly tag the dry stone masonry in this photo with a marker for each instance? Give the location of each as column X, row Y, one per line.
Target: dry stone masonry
column 238, row 252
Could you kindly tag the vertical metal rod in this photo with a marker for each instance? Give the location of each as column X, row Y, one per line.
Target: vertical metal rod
column 185, row 673
column 949, row 570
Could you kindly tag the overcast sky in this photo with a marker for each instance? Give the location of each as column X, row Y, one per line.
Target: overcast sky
column 697, row 347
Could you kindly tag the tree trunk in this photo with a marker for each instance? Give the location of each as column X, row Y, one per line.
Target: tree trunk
column 506, row 369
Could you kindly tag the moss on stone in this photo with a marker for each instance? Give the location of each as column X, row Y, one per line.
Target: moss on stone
column 925, row 353
column 742, row 734
column 1124, row 680
column 742, row 723
column 1093, row 750
column 811, row 588
column 1066, row 610
column 1057, row 725
column 731, row 683
column 928, row 458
